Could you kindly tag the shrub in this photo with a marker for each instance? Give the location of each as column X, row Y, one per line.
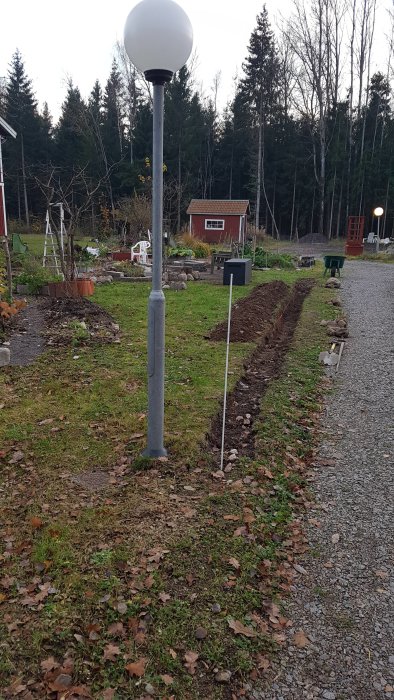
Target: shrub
column 36, row 280
column 199, row 248
column 180, row 252
column 264, row 259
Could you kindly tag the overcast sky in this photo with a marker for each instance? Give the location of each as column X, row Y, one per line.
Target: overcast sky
column 78, row 40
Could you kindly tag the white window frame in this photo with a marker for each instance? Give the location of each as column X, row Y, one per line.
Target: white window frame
column 214, row 228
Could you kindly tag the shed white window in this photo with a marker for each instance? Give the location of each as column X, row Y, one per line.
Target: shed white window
column 214, row 224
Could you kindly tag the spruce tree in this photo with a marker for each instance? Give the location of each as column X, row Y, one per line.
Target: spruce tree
column 23, row 152
column 260, row 90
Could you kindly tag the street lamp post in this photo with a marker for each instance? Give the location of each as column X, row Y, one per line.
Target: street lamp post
column 378, row 213
column 158, row 39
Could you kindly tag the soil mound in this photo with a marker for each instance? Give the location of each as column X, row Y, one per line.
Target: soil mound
column 252, row 317
column 265, row 363
column 64, row 317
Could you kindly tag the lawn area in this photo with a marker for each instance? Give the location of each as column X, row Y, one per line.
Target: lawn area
column 35, row 242
column 146, row 581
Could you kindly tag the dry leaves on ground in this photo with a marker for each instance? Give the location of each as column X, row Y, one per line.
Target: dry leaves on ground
column 300, row 639
column 191, row 658
column 137, row 668
column 239, row 628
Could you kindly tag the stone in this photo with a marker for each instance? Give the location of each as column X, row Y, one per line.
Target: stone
column 341, row 322
column 150, row 689
column 223, row 677
column 178, row 286
column 232, row 457
column 166, row 286
column 190, row 278
column 116, row 274
column 333, row 283
column 216, row 608
column 329, row 695
column 200, row 633
column 4, row 357
column 196, row 275
column 182, row 277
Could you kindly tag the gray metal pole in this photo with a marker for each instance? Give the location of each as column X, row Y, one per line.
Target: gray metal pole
column 156, row 305
column 378, row 235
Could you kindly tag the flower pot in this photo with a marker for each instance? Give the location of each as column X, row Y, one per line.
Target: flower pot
column 85, row 287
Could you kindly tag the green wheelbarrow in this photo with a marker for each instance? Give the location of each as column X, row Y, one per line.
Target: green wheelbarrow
column 334, row 263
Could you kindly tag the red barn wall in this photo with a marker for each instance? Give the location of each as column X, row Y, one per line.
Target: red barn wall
column 230, row 232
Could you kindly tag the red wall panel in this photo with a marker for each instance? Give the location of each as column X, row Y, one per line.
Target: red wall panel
column 230, row 232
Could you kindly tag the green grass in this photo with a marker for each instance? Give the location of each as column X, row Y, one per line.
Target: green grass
column 95, row 547
column 35, row 242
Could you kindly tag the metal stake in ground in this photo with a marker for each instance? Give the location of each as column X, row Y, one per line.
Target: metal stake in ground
column 226, row 371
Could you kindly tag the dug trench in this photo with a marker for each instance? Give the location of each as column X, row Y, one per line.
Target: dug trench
column 270, row 314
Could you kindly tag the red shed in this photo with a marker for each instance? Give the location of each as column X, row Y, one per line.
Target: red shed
column 218, row 220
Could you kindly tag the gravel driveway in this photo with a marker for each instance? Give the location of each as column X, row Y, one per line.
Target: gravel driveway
column 344, row 601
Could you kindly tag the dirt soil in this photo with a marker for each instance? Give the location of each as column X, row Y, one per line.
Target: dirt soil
column 57, row 322
column 253, row 316
column 61, row 314
column 243, row 403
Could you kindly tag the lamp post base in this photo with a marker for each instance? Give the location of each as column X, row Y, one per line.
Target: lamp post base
column 154, row 454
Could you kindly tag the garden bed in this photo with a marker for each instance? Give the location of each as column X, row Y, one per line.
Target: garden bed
column 278, row 323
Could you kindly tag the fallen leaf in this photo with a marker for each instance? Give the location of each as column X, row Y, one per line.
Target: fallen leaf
column 173, row 653
column 16, row 457
column 234, row 563
column 116, row 629
column 136, row 436
column 149, row 582
column 191, row 658
column 49, row 664
column 300, row 639
column 3, row 597
column 111, row 651
column 108, row 694
column 233, row 518
column 137, row 668
column 36, row 523
column 239, row 628
column 164, row 597
column 262, row 662
column 167, row 680
column 335, row 538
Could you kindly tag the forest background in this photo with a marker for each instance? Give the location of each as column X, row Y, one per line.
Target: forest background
column 307, row 137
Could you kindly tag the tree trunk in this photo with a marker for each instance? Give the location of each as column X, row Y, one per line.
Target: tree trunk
column 293, row 205
column 24, row 183
column 259, row 164
column 178, row 224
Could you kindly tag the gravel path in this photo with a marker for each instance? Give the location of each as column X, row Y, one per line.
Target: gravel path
column 344, row 601
column 27, row 343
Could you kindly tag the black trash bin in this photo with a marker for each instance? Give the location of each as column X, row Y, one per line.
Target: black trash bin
column 241, row 269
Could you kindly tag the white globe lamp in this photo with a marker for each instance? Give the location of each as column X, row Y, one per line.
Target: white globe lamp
column 158, row 39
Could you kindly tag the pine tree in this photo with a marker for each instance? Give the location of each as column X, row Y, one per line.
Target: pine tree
column 71, row 137
column 260, row 90
column 23, row 152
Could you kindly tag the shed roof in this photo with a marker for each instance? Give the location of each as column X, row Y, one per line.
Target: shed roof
column 219, row 207
column 6, row 129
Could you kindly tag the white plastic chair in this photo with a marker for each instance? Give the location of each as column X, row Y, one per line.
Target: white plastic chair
column 139, row 252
